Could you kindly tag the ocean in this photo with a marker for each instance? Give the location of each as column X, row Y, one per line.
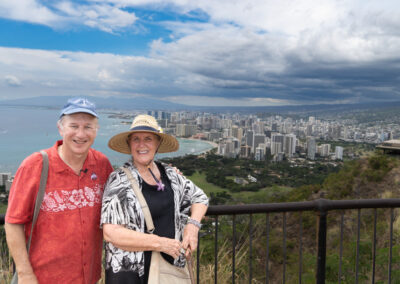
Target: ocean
column 24, row 130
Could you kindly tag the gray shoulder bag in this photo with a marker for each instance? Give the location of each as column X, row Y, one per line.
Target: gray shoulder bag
column 161, row 271
column 38, row 203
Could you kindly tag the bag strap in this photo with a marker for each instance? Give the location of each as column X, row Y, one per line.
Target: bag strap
column 147, row 215
column 40, row 194
column 141, row 199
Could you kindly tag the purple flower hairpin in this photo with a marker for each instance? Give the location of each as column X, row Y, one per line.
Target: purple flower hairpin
column 160, row 185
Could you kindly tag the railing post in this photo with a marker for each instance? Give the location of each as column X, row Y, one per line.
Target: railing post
column 321, row 241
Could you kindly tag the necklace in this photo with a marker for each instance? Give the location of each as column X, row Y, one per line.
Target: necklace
column 160, row 185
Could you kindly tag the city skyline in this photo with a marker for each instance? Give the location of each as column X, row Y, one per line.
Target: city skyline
column 219, row 53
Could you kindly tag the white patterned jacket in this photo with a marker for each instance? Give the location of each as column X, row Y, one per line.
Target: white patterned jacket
column 120, row 206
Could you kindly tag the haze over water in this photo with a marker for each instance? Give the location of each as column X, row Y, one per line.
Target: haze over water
column 24, row 130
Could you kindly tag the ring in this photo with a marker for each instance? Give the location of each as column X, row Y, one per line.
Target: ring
column 182, row 250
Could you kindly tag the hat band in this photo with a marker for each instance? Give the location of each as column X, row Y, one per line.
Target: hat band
column 146, row 128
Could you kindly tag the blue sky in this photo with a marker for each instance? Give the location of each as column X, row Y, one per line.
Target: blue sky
column 209, row 52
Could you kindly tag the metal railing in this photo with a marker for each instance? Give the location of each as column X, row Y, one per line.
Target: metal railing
column 321, row 207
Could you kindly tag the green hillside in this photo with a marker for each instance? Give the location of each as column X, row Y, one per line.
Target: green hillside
column 377, row 176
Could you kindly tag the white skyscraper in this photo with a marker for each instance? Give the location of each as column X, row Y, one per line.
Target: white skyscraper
column 289, row 145
column 4, row 177
column 325, row 150
column 338, row 153
column 311, row 148
column 276, row 143
column 259, row 154
column 185, row 130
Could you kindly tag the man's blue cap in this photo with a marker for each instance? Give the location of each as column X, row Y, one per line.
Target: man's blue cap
column 75, row 105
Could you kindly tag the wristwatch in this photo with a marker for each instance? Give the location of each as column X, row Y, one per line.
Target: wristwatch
column 194, row 222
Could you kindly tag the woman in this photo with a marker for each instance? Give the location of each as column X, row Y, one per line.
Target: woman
column 176, row 205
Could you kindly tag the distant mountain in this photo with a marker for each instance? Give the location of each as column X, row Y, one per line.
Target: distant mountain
column 101, row 103
column 117, row 103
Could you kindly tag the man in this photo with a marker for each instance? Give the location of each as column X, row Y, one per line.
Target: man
column 66, row 243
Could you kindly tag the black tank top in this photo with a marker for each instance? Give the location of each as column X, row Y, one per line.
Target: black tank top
column 162, row 209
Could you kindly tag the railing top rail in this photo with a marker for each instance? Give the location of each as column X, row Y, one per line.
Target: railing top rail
column 322, row 205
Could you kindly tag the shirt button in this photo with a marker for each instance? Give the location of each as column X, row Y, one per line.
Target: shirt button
column 83, row 222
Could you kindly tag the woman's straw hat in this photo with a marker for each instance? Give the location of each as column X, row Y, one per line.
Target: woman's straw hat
column 143, row 123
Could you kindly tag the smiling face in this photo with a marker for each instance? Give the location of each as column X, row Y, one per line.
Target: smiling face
column 143, row 147
column 78, row 131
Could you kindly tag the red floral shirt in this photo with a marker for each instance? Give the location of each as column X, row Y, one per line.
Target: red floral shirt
column 67, row 241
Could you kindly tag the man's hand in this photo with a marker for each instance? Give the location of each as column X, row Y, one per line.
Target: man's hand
column 176, row 170
column 15, row 236
column 27, row 278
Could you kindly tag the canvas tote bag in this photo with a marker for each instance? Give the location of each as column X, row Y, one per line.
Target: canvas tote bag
column 161, row 271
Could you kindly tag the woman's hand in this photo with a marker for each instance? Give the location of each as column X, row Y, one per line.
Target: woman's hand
column 170, row 246
column 190, row 238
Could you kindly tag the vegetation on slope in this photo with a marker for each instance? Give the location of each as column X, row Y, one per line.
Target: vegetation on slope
column 377, row 176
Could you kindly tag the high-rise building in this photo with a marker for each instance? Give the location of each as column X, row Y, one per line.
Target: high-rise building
column 258, row 139
column 4, row 177
column 311, row 148
column 185, row 130
column 237, row 132
column 325, row 150
column 227, row 148
column 258, row 127
column 162, row 123
column 276, row 143
column 8, row 183
column 338, row 153
column 289, row 145
column 245, row 151
column 226, row 123
column 250, row 139
column 214, row 135
column 309, row 130
column 259, row 154
column 334, row 131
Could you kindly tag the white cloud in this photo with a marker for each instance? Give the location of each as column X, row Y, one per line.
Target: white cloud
column 105, row 17
column 300, row 50
column 63, row 14
column 28, row 11
column 252, row 52
column 12, row 81
column 74, row 73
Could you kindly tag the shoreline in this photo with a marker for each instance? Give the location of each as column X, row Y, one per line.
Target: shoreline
column 212, row 144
